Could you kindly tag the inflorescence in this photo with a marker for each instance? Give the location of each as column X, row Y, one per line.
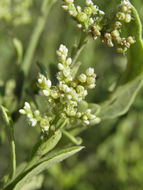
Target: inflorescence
column 64, row 98
column 94, row 21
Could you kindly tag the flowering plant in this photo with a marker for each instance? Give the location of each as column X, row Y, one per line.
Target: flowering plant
column 58, row 106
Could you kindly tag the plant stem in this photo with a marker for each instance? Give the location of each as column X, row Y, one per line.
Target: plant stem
column 27, row 61
column 10, row 131
column 83, row 41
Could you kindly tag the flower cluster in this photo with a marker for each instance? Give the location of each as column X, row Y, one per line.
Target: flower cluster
column 16, row 12
column 87, row 17
column 95, row 22
column 113, row 36
column 35, row 118
column 64, row 98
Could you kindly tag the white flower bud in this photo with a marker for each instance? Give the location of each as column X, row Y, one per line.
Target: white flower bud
column 91, row 21
column 128, row 18
column 79, row 26
column 78, row 8
column 60, row 66
column 48, row 83
column 90, row 80
column 54, row 94
column 89, row 2
column 86, row 122
column 90, row 71
column 78, row 114
column 33, row 122
column 65, row 7
column 66, row 72
column 37, row 112
column 69, row 61
column 80, row 88
column 27, row 106
column 22, row 111
column 69, row 1
column 40, row 81
column 46, row 92
column 29, row 115
column 46, row 128
column 69, row 97
column 85, row 93
column 82, row 78
column 101, row 13
column 91, row 86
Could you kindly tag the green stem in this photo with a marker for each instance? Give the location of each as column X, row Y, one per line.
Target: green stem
column 71, row 137
column 10, row 131
column 83, row 41
column 47, row 4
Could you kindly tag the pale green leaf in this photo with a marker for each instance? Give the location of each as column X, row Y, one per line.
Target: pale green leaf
column 45, row 163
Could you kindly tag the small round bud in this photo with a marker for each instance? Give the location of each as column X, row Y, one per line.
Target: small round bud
column 131, row 40
column 110, row 43
column 89, row 72
column 54, row 94
column 115, row 33
column 69, row 61
column 120, row 50
column 46, row 92
column 128, row 18
column 90, row 80
column 91, row 86
column 82, row 78
column 118, row 24
column 37, row 112
column 60, row 66
column 33, row 122
column 48, row 83
column 82, row 17
column 27, row 106
column 46, row 128
column 80, row 88
column 22, row 111
column 29, row 115
column 107, row 35
column 121, row 16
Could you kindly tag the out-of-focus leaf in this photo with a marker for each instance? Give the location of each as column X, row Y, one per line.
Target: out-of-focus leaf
column 19, row 49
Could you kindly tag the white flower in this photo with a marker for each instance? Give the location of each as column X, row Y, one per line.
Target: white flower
column 89, row 2
column 33, row 122
column 60, row 66
column 46, row 92
column 48, row 83
column 82, row 78
column 27, row 106
column 46, row 128
column 69, row 61
column 69, row 1
column 89, row 71
column 22, row 111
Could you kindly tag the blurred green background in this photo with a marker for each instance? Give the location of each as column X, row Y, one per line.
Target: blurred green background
column 113, row 157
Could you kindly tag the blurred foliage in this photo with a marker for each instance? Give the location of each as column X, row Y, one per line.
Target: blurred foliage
column 113, row 158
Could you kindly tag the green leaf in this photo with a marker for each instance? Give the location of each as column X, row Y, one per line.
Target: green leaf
column 121, row 100
column 45, row 163
column 43, row 147
column 34, row 183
